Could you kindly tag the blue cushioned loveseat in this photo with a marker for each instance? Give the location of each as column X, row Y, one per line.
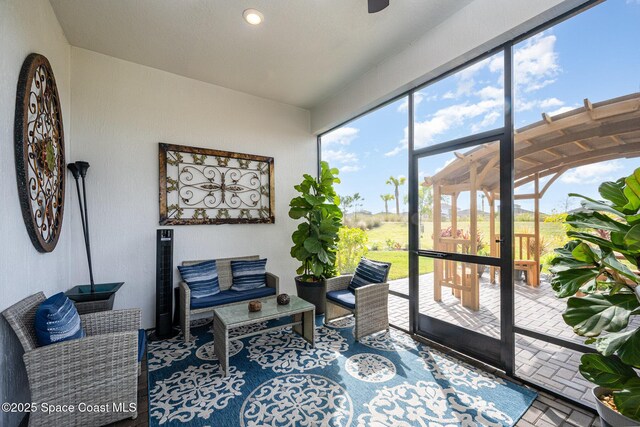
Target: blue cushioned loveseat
column 189, row 306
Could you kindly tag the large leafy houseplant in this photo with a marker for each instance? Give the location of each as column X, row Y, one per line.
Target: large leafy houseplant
column 316, row 238
column 598, row 271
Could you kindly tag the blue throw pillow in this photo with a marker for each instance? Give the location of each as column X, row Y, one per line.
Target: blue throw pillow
column 368, row 272
column 202, row 278
column 57, row 320
column 249, row 274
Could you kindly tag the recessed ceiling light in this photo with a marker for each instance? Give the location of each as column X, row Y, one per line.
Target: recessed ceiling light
column 253, row 17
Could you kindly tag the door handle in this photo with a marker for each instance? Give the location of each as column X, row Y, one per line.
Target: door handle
column 435, row 254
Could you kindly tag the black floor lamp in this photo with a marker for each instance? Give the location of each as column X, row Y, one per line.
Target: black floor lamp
column 79, row 170
column 90, row 297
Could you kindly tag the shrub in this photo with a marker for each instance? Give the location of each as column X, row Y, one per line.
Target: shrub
column 524, row 217
column 546, row 261
column 363, row 222
column 351, row 247
column 392, row 245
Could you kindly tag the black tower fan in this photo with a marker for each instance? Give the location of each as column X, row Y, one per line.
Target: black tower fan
column 164, row 286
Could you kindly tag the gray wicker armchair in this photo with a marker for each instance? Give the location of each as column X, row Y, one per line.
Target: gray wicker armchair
column 100, row 369
column 371, row 310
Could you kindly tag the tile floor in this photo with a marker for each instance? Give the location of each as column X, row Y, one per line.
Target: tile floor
column 548, row 365
column 142, row 419
column 546, row 410
column 540, row 362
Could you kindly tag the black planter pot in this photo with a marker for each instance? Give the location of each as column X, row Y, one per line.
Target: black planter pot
column 313, row 292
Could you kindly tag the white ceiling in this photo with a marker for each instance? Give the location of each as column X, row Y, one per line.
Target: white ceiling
column 304, row 52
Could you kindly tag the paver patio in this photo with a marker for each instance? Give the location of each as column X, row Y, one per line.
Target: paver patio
column 537, row 309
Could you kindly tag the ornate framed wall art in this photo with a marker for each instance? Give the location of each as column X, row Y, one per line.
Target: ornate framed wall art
column 205, row 186
column 39, row 152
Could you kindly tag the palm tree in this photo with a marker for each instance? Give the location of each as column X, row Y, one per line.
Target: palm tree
column 386, row 198
column 356, row 202
column 397, row 182
column 346, row 203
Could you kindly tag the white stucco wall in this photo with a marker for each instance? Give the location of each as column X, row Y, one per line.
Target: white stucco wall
column 26, row 26
column 121, row 111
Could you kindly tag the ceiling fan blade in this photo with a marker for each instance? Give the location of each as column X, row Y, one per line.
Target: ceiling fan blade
column 377, row 5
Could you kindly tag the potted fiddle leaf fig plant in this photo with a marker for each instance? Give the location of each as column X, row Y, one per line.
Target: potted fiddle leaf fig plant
column 598, row 272
column 315, row 241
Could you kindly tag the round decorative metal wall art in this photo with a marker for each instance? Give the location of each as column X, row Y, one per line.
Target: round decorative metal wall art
column 39, row 151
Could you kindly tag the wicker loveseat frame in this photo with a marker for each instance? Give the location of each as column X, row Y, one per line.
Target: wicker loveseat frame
column 371, row 310
column 225, row 280
column 100, row 369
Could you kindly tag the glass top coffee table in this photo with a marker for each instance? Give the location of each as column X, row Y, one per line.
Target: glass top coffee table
column 238, row 314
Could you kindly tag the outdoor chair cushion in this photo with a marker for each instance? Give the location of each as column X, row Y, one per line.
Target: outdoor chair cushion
column 202, row 279
column 57, row 320
column 227, row 297
column 368, row 272
column 142, row 343
column 344, row 297
column 249, row 274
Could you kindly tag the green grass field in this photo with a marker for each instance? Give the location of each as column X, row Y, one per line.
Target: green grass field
column 400, row 263
column 552, row 236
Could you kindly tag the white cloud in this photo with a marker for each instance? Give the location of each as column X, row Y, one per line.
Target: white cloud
column 344, row 160
column 497, row 64
column 466, row 78
column 340, row 136
column 447, row 163
column 401, row 146
column 524, row 105
column 551, row 102
column 593, row 173
column 491, row 92
column 470, row 71
column 446, row 118
column 562, row 110
column 464, row 88
column 349, row 168
column 536, row 63
column 339, row 156
column 488, row 120
column 543, row 104
column 417, row 99
column 454, row 115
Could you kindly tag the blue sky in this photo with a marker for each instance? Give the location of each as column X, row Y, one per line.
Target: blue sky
column 594, row 55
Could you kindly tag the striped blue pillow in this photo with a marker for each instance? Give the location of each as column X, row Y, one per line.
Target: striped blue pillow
column 202, row 278
column 249, row 274
column 57, row 320
column 368, row 272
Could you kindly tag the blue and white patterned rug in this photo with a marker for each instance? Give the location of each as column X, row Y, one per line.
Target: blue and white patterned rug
column 277, row 379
